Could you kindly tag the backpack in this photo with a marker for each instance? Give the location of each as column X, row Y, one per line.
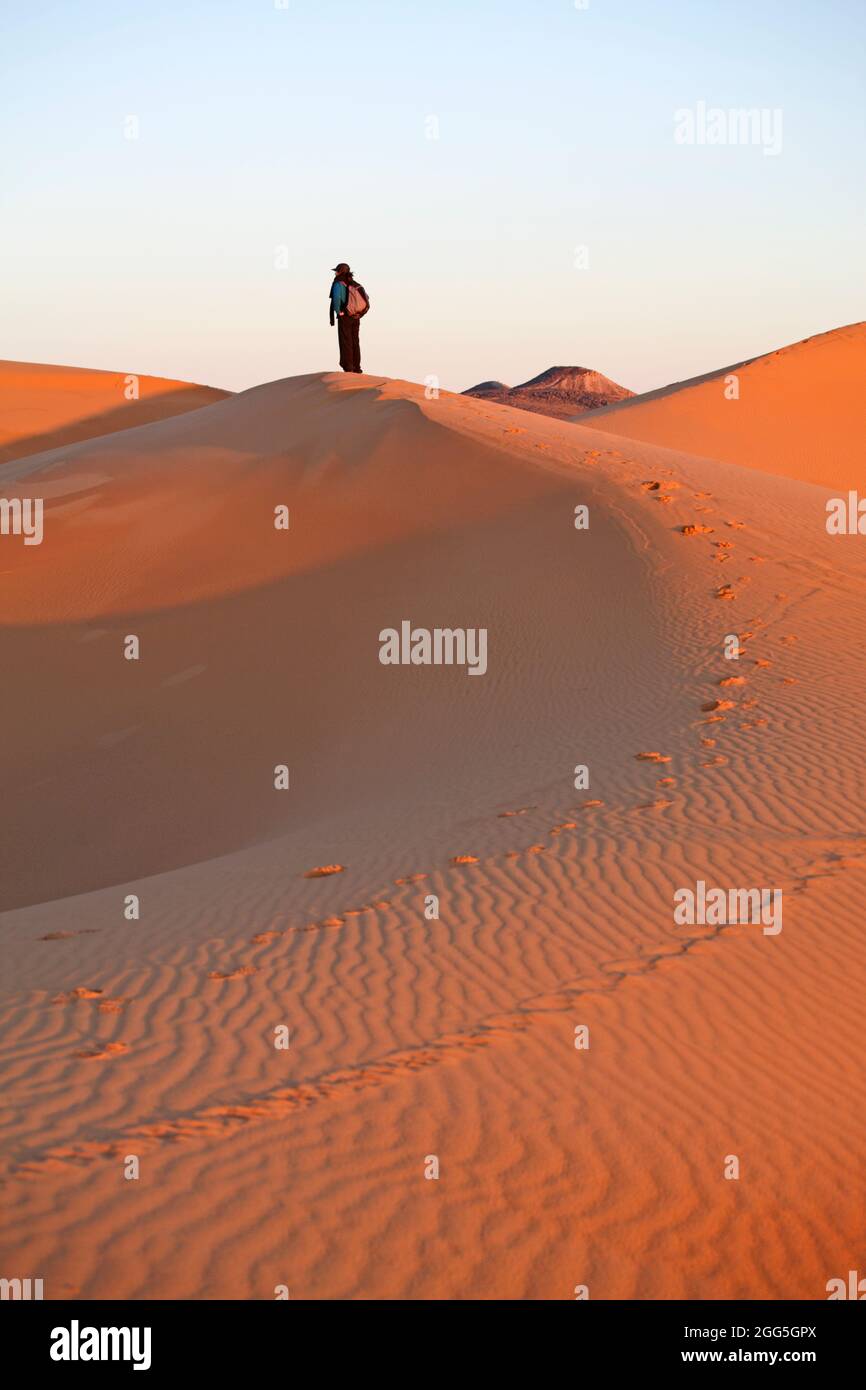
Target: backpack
column 357, row 302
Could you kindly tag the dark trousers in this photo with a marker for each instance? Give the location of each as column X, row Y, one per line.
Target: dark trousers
column 349, row 335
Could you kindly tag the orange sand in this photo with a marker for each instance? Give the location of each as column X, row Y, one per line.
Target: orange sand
column 799, row 412
column 44, row 408
column 412, row 1037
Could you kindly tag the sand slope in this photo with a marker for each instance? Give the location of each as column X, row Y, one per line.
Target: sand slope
column 413, row 1037
column 799, row 412
column 43, row 407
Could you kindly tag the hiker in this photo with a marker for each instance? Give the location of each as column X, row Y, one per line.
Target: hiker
column 349, row 303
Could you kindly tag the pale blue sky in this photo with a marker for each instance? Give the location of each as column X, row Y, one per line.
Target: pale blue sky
column 306, row 128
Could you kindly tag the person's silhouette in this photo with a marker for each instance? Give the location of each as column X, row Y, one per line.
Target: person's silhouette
column 349, row 303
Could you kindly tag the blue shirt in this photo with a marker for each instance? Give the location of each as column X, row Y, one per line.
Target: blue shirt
column 339, row 297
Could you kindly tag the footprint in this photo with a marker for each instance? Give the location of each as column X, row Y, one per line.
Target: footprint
column 629, row 965
column 718, row 704
column 725, row 592
column 112, row 1006
column 733, row 680
column 325, row 870
column 238, row 974
column 98, row 1054
column 464, row 859
column 504, row 815
column 414, row 878
column 695, row 529
column 658, row 805
column 316, row 926
column 80, row 992
column 652, row 758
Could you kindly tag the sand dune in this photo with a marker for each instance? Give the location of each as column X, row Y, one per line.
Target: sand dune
column 43, row 407
column 797, row 412
column 413, row 1037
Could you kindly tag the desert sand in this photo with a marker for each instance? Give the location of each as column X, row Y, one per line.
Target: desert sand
column 44, row 407
column 599, row 1166
column 796, row 412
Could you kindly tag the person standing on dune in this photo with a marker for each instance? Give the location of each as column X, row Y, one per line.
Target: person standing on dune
column 349, row 303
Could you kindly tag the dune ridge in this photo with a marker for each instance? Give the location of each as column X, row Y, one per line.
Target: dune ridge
column 794, row 412
column 44, row 407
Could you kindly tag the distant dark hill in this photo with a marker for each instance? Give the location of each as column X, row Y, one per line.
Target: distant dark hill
column 487, row 388
column 561, row 391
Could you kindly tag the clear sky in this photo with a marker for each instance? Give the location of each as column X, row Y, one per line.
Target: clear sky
column 274, row 141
